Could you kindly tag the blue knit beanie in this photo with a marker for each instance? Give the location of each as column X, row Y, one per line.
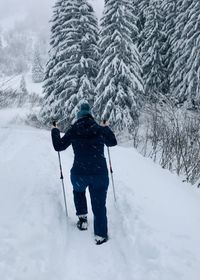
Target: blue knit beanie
column 84, row 110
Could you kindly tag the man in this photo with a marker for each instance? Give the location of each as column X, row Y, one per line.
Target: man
column 89, row 168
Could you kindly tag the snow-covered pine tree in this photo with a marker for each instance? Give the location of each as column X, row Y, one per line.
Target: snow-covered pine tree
column 87, row 65
column 170, row 15
column 154, row 71
column 77, row 57
column 37, row 68
column 141, row 12
column 47, row 112
column 176, row 78
column 80, row 53
column 192, row 79
column 119, row 82
column 185, row 77
column 22, row 93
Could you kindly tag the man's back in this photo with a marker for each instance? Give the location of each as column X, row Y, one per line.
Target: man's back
column 89, row 169
column 87, row 139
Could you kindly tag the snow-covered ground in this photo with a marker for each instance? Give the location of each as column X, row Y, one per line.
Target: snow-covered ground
column 154, row 227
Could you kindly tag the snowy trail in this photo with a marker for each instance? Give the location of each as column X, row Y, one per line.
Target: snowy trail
column 154, row 228
column 31, row 209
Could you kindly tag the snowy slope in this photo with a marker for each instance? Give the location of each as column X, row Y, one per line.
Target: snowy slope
column 154, row 227
column 13, row 83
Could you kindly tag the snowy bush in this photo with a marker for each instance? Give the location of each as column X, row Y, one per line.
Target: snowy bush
column 170, row 136
column 8, row 98
column 34, row 120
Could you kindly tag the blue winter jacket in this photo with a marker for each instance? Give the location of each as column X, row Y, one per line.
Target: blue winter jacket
column 87, row 139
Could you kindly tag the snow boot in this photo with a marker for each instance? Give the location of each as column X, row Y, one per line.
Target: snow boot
column 82, row 223
column 100, row 240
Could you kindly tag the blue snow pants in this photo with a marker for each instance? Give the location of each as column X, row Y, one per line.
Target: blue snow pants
column 98, row 186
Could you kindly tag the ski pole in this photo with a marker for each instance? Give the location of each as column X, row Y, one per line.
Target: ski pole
column 111, row 170
column 111, row 173
column 63, row 186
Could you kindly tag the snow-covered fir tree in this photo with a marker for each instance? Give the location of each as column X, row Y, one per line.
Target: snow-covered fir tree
column 170, row 15
column 80, row 53
column 76, row 68
column 48, row 109
column 185, row 78
column 154, row 70
column 192, row 78
column 176, row 78
column 67, row 29
column 141, row 12
column 119, row 82
column 37, row 68
column 22, row 93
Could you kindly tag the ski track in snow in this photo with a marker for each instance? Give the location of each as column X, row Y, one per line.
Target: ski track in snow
column 154, row 227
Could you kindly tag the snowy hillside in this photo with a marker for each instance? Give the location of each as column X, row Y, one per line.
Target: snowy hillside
column 13, row 83
column 154, row 227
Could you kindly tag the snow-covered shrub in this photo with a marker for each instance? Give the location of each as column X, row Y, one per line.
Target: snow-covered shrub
column 34, row 120
column 35, row 100
column 8, row 98
column 170, row 136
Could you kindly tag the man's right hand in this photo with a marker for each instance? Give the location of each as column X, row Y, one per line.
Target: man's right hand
column 104, row 123
column 54, row 124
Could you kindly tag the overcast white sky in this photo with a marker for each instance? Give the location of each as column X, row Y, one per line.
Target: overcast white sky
column 13, row 7
column 36, row 11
